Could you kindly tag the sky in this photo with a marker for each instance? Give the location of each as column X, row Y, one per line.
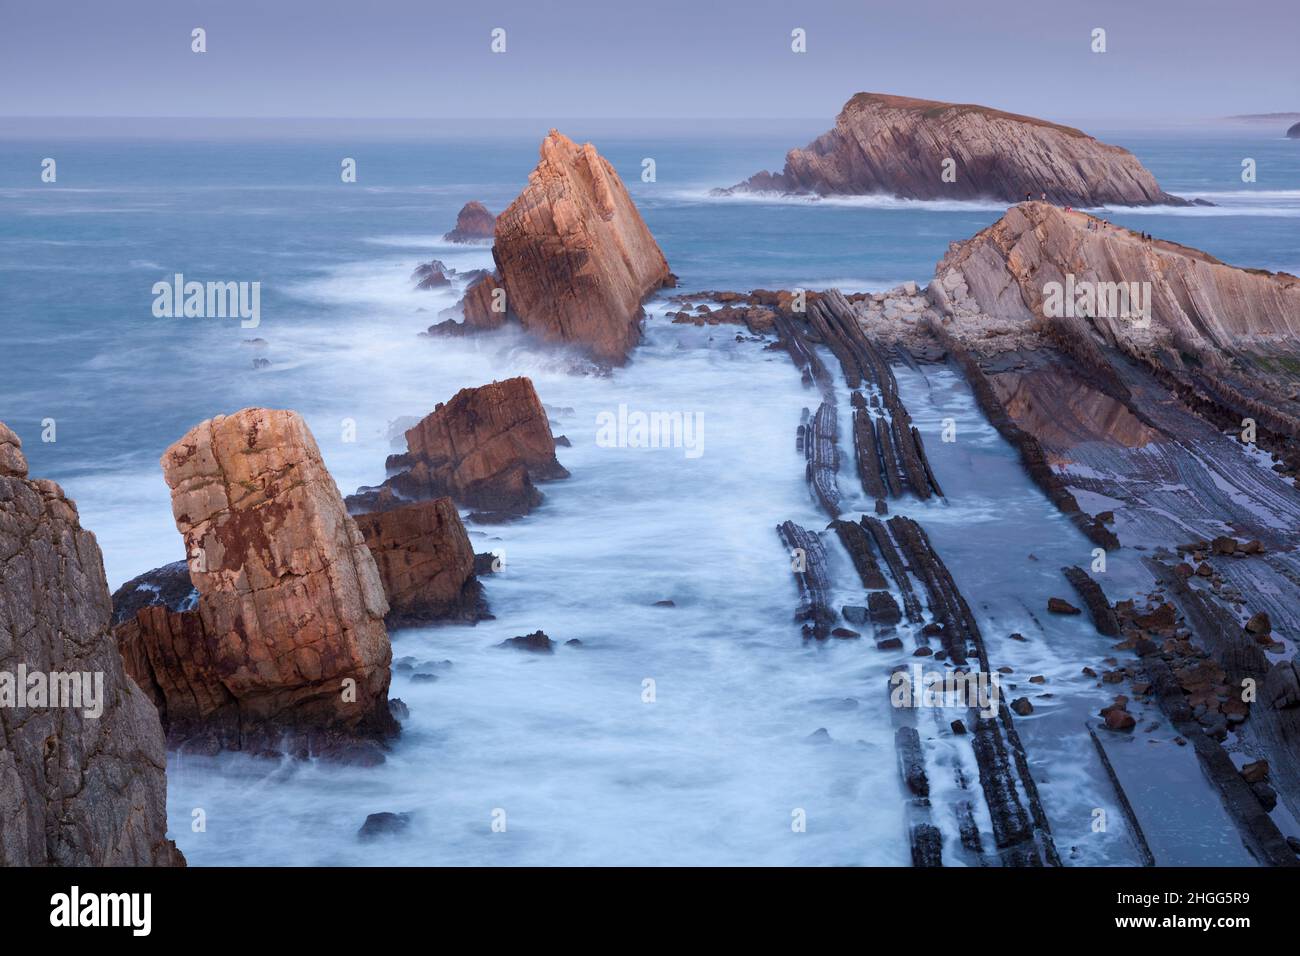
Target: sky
column 1165, row 60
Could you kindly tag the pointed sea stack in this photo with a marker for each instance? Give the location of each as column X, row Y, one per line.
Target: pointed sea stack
column 573, row 256
column 286, row 648
column 82, row 779
column 901, row 146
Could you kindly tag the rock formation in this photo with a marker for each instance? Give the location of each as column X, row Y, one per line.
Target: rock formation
column 169, row 586
column 1293, row 132
column 82, row 781
column 900, row 146
column 286, row 647
column 473, row 224
column 485, row 448
column 574, row 256
column 426, row 563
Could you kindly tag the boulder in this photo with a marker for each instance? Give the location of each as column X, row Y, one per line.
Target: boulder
column 82, row 781
column 473, row 224
column 286, row 648
column 899, row 146
column 574, row 256
column 1061, row 606
column 484, row 449
column 537, row 642
column 425, row 561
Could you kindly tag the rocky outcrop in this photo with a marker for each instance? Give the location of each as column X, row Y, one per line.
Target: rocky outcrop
column 1039, row 262
column 168, row 586
column 901, row 146
column 485, row 448
column 426, row 563
column 573, row 255
column 82, row 759
column 1293, row 132
column 286, row 649
column 473, row 224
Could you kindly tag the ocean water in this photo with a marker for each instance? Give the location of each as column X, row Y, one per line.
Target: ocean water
column 584, row 769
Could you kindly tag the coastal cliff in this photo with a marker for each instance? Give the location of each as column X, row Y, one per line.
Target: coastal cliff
column 82, row 782
column 901, row 146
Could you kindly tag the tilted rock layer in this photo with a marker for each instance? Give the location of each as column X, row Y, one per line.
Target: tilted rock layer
column 76, row 788
column 1199, row 307
column 574, row 256
column 287, row 644
column 900, row 146
column 484, row 448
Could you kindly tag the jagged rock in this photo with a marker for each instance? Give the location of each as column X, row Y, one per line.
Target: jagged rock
column 484, row 448
column 81, row 776
column 425, row 561
column 432, row 275
column 287, row 647
column 574, row 256
column 537, row 642
column 898, row 145
column 169, row 586
column 473, row 224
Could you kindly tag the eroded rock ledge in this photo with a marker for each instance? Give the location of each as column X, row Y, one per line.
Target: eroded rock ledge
column 901, row 146
column 77, row 788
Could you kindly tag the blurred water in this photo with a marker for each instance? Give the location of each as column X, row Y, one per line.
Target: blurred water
column 585, row 771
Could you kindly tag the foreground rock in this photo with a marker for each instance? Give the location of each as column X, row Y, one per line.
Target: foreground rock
column 426, row 563
column 485, row 449
column 900, row 146
column 574, row 258
column 286, row 648
column 473, row 224
column 82, row 782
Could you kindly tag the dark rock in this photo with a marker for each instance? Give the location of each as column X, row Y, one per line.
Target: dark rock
column 384, row 824
column 537, row 642
column 169, row 586
column 1060, row 606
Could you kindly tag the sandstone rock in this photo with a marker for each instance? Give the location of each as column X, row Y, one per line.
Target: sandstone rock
column 1259, row 624
column 1061, row 606
column 484, row 448
column 574, row 256
column 1119, row 719
column 79, row 785
column 425, row 561
column 473, row 224
column 1022, row 707
column 897, row 145
column 287, row 646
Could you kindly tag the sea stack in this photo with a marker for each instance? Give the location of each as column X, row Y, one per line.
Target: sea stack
column 925, row 149
column 474, row 224
column 574, row 257
column 286, row 648
column 82, row 779
column 426, row 563
column 485, row 449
